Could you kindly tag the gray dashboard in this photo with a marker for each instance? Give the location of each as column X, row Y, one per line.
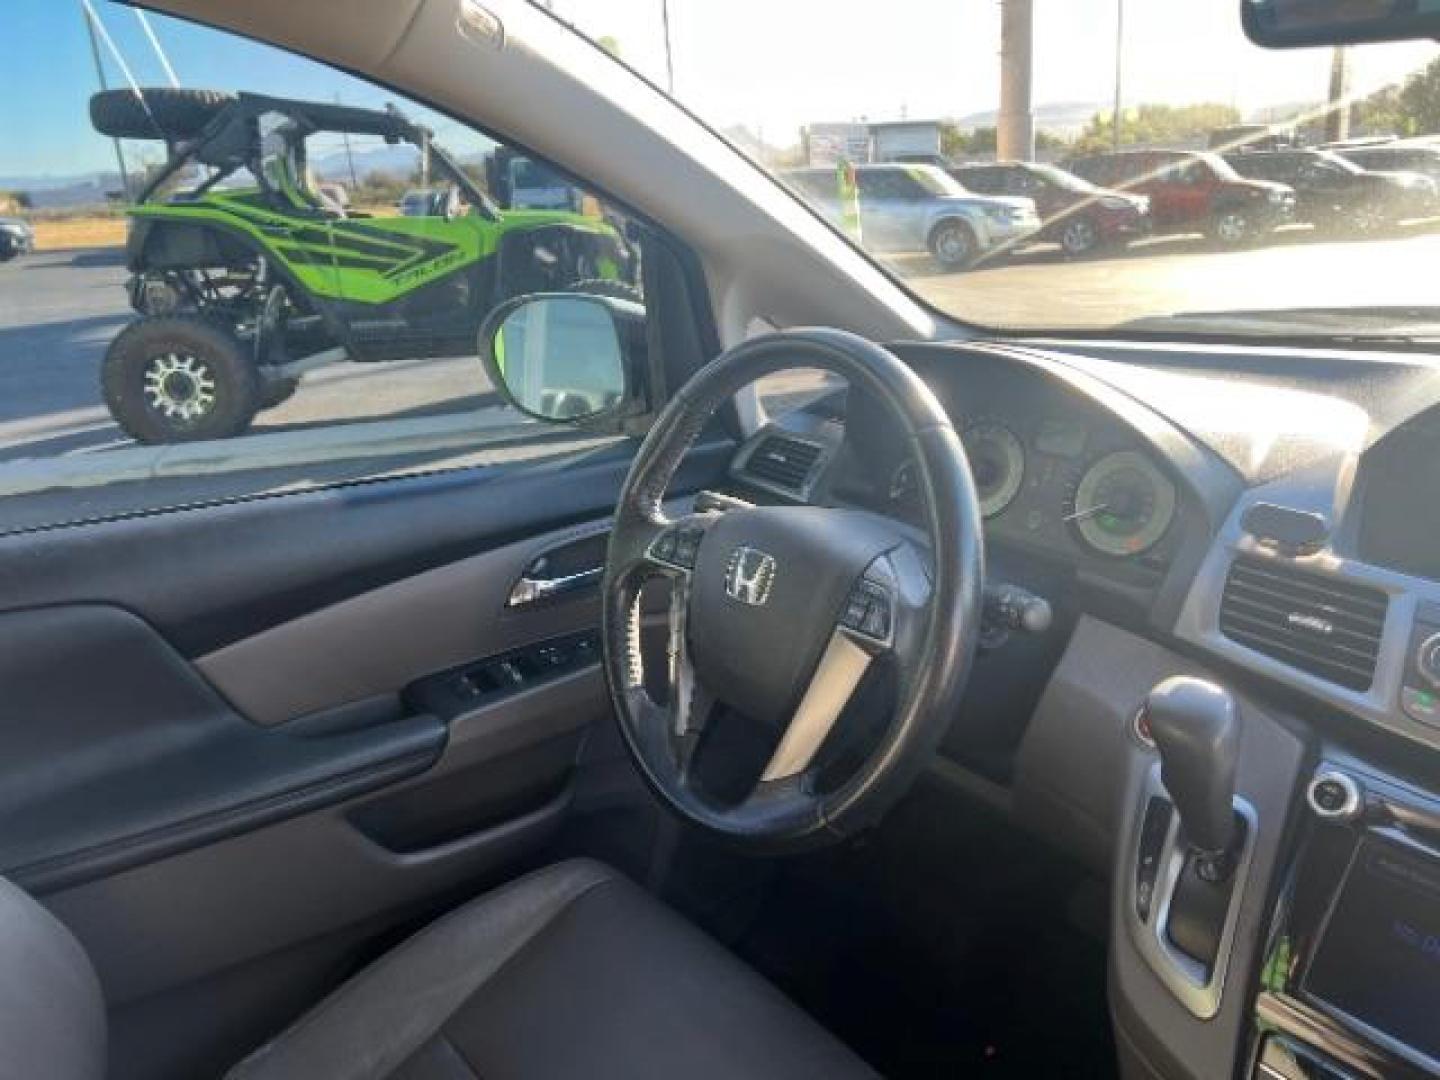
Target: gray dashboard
column 1297, row 567
column 1227, row 430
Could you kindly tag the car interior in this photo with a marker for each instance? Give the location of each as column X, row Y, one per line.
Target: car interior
column 1008, row 705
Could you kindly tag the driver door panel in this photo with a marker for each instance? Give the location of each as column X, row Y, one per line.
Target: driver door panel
column 224, row 751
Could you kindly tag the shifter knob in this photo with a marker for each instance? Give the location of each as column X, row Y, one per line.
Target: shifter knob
column 1197, row 732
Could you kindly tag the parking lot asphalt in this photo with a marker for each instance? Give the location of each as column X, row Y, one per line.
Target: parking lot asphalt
column 1295, row 268
column 59, row 311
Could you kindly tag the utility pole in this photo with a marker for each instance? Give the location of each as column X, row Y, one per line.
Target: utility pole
column 1119, row 59
column 1337, row 116
column 669, row 55
column 100, row 75
column 1015, row 133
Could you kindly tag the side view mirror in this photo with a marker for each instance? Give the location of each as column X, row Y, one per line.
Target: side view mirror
column 566, row 358
column 1288, row 24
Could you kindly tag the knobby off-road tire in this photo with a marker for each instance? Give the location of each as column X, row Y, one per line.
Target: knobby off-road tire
column 180, row 378
column 168, row 112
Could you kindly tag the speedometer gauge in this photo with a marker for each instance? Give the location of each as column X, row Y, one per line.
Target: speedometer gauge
column 997, row 459
column 1123, row 504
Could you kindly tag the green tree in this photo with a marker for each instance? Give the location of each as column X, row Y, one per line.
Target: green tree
column 957, row 142
column 1420, row 101
column 1156, row 125
column 1408, row 108
column 1049, row 141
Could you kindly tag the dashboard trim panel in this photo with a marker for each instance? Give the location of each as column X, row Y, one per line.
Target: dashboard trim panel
column 1199, row 621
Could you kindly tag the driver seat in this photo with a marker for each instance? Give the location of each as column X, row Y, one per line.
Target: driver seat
column 572, row 971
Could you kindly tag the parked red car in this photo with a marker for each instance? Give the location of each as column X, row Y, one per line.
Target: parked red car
column 1079, row 216
column 1193, row 192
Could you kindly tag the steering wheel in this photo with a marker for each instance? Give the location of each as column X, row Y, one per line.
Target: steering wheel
column 778, row 612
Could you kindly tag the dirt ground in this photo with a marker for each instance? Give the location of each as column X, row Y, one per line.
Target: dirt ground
column 65, row 234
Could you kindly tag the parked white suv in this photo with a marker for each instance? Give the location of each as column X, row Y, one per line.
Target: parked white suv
column 922, row 208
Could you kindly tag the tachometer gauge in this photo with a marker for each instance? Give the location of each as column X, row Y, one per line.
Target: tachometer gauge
column 997, row 458
column 1123, row 504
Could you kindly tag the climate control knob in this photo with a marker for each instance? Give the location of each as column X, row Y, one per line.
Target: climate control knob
column 1427, row 660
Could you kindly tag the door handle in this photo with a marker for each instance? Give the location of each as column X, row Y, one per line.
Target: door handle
column 531, row 590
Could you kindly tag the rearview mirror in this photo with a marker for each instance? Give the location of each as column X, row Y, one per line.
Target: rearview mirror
column 562, row 357
column 1288, row 24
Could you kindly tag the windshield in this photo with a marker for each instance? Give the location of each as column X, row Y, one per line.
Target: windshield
column 1285, row 250
column 527, row 174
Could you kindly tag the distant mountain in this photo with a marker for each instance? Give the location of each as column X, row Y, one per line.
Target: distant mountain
column 400, row 160
column 1064, row 118
column 64, row 192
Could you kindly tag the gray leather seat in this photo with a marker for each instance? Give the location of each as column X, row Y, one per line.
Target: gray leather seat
column 570, row 972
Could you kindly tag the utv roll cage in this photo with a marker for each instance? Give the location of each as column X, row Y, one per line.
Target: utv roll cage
column 231, row 141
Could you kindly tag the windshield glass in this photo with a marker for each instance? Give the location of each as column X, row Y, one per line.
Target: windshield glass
column 1273, row 248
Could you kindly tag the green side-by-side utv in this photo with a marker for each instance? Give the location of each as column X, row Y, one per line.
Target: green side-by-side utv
column 246, row 273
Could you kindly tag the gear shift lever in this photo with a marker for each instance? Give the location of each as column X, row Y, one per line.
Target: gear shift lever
column 1197, row 731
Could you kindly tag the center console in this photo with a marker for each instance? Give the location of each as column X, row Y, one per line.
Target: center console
column 1350, row 986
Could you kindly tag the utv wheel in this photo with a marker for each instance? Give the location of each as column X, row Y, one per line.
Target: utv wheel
column 167, row 112
column 1231, row 227
column 1080, row 237
column 178, row 379
column 952, row 245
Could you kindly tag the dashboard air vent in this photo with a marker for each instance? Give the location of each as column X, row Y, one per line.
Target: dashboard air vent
column 783, row 462
column 1326, row 627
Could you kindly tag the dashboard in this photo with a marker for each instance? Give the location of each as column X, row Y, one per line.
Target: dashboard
column 1267, row 522
column 1400, row 503
column 1057, row 475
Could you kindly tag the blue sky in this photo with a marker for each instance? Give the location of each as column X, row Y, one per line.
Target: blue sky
column 48, row 76
column 802, row 61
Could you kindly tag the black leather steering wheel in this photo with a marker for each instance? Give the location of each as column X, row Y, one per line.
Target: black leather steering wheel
column 778, row 612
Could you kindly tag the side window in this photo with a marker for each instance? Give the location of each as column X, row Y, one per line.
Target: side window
column 1024, row 183
column 293, row 298
column 872, row 183
column 984, row 181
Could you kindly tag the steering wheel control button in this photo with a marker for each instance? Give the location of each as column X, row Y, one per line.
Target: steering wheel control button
column 678, row 546
column 1335, row 796
column 867, row 611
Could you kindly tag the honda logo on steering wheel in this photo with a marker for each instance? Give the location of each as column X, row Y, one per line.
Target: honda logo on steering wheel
column 749, row 575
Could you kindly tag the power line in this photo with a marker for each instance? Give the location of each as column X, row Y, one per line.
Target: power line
column 89, row 15
column 155, row 44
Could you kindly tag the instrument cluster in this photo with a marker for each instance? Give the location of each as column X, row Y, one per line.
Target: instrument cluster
column 1044, row 480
